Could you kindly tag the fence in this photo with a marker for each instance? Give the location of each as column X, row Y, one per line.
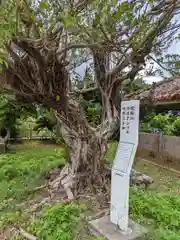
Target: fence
column 147, row 141
column 33, row 135
column 160, row 143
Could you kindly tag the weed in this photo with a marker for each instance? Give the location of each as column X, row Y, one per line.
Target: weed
column 56, row 222
column 20, row 173
column 160, row 211
column 158, row 208
column 110, row 155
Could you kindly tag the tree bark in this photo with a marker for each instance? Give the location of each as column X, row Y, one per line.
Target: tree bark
column 85, row 167
column 48, row 84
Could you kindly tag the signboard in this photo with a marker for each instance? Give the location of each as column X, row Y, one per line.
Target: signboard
column 125, row 151
column 129, row 132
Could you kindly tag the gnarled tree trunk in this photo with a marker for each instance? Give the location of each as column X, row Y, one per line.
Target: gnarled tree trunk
column 86, row 151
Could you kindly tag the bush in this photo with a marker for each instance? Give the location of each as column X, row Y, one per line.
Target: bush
column 9, row 115
column 176, row 127
column 145, row 127
column 162, row 122
column 93, row 113
column 57, row 222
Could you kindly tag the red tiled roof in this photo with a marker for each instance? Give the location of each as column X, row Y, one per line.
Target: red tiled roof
column 167, row 91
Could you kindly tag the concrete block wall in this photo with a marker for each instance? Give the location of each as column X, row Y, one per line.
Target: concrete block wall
column 160, row 143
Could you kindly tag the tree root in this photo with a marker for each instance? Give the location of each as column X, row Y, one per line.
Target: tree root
column 87, row 182
column 38, row 206
column 66, row 180
column 95, row 183
column 27, row 235
column 37, row 188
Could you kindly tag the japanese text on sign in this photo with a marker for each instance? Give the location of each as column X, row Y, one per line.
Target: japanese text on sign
column 128, row 116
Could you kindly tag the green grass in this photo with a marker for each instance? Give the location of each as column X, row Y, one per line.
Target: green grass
column 57, row 222
column 164, row 180
column 60, row 222
column 158, row 211
column 20, row 174
column 157, row 208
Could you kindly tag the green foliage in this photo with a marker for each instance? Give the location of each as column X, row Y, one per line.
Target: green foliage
column 159, row 210
column 20, row 174
column 163, row 122
column 12, row 113
column 57, row 222
column 99, row 21
column 145, row 127
column 25, row 168
column 45, row 120
column 9, row 114
column 166, row 234
column 8, row 26
column 93, row 114
column 160, row 121
column 169, row 125
column 175, row 129
column 132, row 86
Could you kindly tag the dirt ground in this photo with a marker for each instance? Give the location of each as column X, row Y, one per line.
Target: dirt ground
column 159, row 158
column 165, row 179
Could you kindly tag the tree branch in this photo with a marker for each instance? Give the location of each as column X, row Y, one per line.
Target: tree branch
column 84, row 91
column 119, row 67
column 76, row 46
column 130, row 75
column 166, row 69
column 144, row 47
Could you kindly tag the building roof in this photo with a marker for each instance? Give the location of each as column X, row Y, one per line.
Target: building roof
column 168, row 91
column 163, row 92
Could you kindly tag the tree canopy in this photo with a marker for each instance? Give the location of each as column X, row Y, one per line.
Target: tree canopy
column 44, row 41
column 117, row 37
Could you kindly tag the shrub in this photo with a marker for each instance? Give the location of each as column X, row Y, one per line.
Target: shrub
column 162, row 122
column 93, row 114
column 57, row 222
column 176, row 127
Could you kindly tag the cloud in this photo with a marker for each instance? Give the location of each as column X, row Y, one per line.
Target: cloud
column 151, row 79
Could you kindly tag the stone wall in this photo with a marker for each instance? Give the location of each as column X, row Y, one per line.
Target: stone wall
column 160, row 144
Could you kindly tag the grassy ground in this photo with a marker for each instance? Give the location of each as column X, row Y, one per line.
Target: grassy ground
column 157, row 208
column 20, row 174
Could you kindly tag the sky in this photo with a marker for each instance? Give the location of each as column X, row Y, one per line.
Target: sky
column 173, row 49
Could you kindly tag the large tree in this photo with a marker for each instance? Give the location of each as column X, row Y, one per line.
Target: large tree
column 115, row 36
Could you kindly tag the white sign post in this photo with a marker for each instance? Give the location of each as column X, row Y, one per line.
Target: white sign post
column 123, row 162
